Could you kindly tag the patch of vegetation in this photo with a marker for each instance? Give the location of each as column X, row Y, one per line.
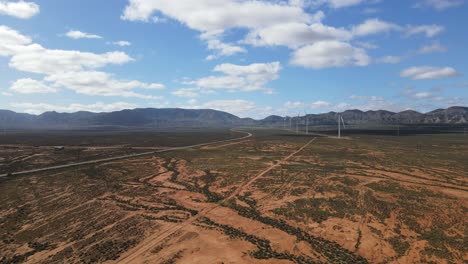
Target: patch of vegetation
column 318, row 210
column 348, row 181
column 331, row 250
column 375, row 231
column 378, row 208
column 264, row 249
column 440, row 243
column 400, row 246
column 298, row 191
column 247, row 199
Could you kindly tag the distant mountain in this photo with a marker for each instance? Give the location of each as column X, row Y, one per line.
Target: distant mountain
column 452, row 115
column 175, row 117
column 149, row 117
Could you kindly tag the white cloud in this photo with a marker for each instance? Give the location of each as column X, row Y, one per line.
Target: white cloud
column 439, row 4
column 327, row 54
column 158, row 20
column 428, row 72
column 11, row 41
column 100, row 83
column 37, row 59
column 295, row 35
column 366, row 45
column 390, row 59
column 319, row 105
column 239, row 107
column 300, row 105
column 374, row 26
column 267, row 23
column 38, row 108
column 344, row 3
column 121, row 43
column 19, row 9
column 366, row 98
column 76, row 34
column 434, row 47
column 213, row 18
column 428, row 30
column 187, row 92
column 251, row 77
column 209, row 15
column 30, row 86
column 222, row 49
column 192, row 101
column 68, row 69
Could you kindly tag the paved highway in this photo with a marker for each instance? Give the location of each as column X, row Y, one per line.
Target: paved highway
column 89, row 162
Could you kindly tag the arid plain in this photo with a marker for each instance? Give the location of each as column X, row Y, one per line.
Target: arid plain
column 275, row 197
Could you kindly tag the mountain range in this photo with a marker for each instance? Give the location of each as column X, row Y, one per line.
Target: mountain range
column 175, row 117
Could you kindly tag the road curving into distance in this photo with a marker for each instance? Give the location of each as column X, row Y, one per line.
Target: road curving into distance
column 90, row 162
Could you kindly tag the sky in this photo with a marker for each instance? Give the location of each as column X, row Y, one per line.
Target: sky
column 250, row 58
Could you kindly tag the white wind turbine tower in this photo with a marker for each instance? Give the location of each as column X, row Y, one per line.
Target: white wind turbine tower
column 290, row 123
column 284, row 122
column 297, row 123
column 340, row 120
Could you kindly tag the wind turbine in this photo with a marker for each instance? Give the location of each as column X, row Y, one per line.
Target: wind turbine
column 297, row 123
column 340, row 120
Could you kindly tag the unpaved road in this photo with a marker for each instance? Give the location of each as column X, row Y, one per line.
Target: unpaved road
column 152, row 241
column 77, row 164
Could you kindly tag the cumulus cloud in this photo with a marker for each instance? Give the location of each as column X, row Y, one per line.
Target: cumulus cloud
column 295, row 35
column 100, row 83
column 269, row 23
column 374, row 26
column 439, row 4
column 212, row 18
column 37, row 59
column 11, row 41
column 19, row 9
column 428, row 72
column 38, row 108
column 76, row 34
column 67, row 69
column 251, row 77
column 222, row 49
column 209, row 16
column 327, row 54
column 31, row 86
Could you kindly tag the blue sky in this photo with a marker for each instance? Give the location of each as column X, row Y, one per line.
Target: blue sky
column 250, row 58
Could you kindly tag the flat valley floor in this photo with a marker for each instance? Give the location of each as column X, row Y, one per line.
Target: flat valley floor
column 277, row 197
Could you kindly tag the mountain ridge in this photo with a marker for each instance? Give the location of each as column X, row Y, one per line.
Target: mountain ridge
column 178, row 117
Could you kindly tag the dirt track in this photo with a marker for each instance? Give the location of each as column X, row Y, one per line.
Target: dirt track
column 154, row 240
